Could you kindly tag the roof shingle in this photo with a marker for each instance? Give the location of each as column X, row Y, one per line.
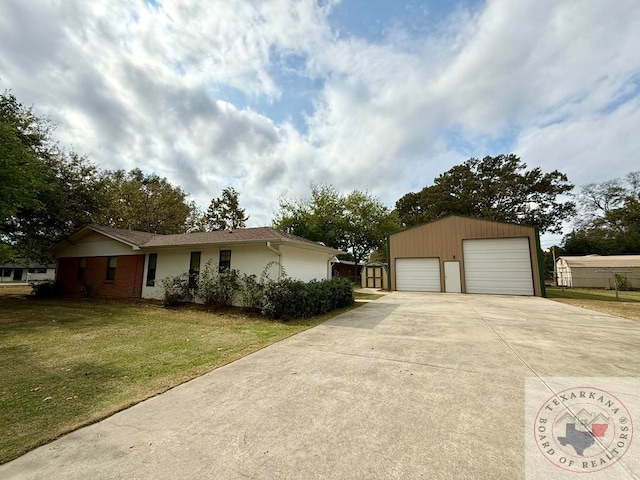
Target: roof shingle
column 240, row 235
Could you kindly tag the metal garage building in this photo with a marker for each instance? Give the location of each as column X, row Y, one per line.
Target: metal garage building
column 466, row 255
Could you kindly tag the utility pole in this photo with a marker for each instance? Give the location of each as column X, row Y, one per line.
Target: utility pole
column 555, row 277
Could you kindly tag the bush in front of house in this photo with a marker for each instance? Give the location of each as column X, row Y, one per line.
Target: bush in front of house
column 46, row 289
column 251, row 292
column 287, row 299
column 218, row 288
column 176, row 290
column 341, row 290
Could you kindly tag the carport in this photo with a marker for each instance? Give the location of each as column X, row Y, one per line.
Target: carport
column 466, row 255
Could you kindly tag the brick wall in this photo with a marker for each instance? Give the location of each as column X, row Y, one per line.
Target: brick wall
column 127, row 282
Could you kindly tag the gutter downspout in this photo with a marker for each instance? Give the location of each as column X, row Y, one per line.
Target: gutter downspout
column 330, row 266
column 277, row 252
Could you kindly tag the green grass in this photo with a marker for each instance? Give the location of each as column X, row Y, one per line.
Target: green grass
column 367, row 296
column 599, row 300
column 593, row 294
column 68, row 363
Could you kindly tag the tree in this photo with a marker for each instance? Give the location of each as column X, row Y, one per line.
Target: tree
column 21, row 169
column 609, row 221
column 368, row 223
column 357, row 223
column 495, row 188
column 224, row 212
column 137, row 201
column 47, row 192
column 70, row 199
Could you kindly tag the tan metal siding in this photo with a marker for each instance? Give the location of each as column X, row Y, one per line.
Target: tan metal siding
column 443, row 238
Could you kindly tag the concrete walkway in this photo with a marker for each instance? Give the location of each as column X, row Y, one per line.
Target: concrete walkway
column 409, row 386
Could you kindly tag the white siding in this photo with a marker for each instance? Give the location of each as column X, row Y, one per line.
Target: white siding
column 97, row 245
column 563, row 273
column 418, row 274
column 305, row 265
column 498, row 265
column 39, row 277
column 251, row 260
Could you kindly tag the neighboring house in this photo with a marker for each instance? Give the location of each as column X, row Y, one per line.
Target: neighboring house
column 595, row 271
column 466, row 255
column 375, row 275
column 126, row 263
column 27, row 272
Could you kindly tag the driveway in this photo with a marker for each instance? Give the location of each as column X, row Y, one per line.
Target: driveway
column 409, row 386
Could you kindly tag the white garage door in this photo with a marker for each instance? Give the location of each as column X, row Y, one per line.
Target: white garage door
column 500, row 265
column 418, row 274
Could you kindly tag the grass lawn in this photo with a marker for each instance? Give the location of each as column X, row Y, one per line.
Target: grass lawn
column 627, row 306
column 68, row 363
column 367, row 296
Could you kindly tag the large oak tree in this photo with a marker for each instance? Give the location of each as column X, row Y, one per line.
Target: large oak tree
column 146, row 202
column 46, row 192
column 497, row 188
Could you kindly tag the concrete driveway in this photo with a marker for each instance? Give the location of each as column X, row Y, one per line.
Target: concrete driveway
column 409, row 386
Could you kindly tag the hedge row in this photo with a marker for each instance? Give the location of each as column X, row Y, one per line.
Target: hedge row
column 287, row 299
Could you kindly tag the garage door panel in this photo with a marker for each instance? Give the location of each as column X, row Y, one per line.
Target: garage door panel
column 501, row 266
column 418, row 274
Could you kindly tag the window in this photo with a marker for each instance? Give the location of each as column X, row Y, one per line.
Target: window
column 225, row 260
column 37, row 270
column 6, row 272
column 82, row 266
column 111, row 268
column 194, row 269
column 151, row 269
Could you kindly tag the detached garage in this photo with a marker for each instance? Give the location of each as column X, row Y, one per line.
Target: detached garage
column 466, row 255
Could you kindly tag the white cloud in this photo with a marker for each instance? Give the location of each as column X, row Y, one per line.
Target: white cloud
column 134, row 85
column 590, row 149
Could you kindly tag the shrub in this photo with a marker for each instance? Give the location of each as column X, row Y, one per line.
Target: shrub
column 86, row 290
column 284, row 299
column 218, row 289
column 251, row 292
column 176, row 289
column 46, row 289
column 341, row 292
column 622, row 282
column 288, row 299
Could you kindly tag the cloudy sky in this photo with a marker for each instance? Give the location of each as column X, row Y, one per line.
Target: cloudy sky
column 268, row 96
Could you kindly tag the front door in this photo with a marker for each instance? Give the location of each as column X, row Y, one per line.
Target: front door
column 17, row 273
column 452, row 282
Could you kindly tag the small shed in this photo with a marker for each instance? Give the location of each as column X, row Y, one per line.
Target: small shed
column 597, row 271
column 375, row 275
column 466, row 255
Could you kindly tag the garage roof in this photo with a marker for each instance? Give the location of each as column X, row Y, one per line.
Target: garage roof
column 606, row 261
